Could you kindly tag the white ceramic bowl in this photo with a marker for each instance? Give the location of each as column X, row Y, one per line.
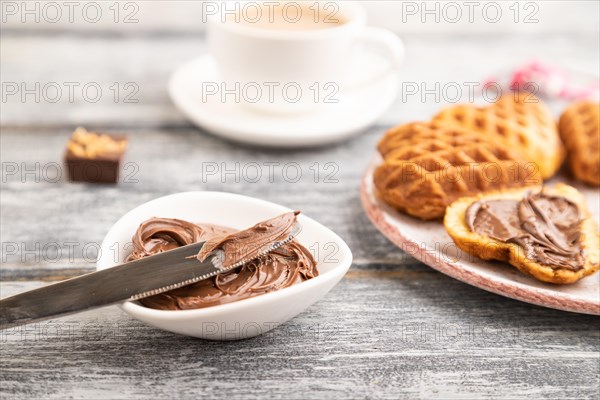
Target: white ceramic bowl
column 244, row 318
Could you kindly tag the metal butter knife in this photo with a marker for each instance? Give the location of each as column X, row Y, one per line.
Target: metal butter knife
column 126, row 282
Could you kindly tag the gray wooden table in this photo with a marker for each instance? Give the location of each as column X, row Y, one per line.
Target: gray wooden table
column 392, row 328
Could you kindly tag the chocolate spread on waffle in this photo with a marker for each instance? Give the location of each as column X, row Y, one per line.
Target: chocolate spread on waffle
column 547, row 227
column 286, row 266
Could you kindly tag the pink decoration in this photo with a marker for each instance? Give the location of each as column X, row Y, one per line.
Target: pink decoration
column 546, row 81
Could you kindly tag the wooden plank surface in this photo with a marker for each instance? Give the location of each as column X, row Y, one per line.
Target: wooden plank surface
column 169, row 161
column 181, row 16
column 392, row 328
column 146, row 61
column 387, row 331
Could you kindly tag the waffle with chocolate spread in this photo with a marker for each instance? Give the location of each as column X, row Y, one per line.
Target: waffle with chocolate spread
column 546, row 233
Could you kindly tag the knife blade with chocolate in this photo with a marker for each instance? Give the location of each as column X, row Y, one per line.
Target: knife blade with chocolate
column 151, row 275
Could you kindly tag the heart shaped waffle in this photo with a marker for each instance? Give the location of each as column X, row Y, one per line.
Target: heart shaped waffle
column 580, row 130
column 488, row 248
column 427, row 167
column 521, row 120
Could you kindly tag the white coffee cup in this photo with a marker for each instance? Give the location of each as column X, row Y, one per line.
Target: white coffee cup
column 281, row 70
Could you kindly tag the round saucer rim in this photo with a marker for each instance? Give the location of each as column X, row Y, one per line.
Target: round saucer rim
column 299, row 139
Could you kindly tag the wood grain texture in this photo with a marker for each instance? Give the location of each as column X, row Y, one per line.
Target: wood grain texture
column 147, row 61
column 393, row 328
column 384, row 332
column 149, row 16
column 77, row 216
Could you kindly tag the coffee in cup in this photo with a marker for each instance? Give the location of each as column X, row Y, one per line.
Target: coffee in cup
column 292, row 16
column 287, row 57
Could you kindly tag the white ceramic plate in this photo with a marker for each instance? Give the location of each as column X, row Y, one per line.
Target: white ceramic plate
column 356, row 109
column 244, row 318
column 429, row 243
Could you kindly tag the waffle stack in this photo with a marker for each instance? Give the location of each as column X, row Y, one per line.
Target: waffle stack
column 467, row 150
column 426, row 167
column 579, row 128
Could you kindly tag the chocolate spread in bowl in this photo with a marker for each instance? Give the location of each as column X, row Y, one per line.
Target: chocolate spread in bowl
column 286, row 266
column 547, row 227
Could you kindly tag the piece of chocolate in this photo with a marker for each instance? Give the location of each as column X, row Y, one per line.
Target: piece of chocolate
column 94, row 158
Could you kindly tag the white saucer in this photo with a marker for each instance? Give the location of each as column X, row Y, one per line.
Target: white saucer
column 356, row 110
